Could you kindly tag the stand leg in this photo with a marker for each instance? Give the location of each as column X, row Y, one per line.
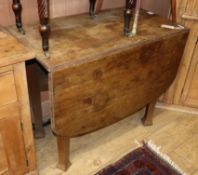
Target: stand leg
column 127, row 16
column 148, row 118
column 43, row 8
column 35, row 99
column 95, row 7
column 92, row 8
column 17, row 8
column 63, row 153
column 173, row 11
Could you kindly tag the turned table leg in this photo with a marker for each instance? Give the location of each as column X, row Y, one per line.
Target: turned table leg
column 43, row 8
column 63, row 153
column 148, row 118
column 17, row 8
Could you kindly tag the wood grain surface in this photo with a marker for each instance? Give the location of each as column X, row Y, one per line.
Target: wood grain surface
column 11, row 50
column 93, row 95
column 7, row 87
column 11, row 139
column 78, row 39
column 25, row 114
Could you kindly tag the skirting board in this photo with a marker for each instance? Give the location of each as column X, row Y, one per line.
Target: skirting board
column 177, row 108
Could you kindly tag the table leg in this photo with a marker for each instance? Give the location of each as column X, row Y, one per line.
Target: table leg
column 35, row 98
column 17, row 8
column 128, row 15
column 43, row 8
column 63, row 153
column 148, row 118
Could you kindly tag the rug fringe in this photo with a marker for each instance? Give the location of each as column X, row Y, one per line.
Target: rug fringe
column 165, row 157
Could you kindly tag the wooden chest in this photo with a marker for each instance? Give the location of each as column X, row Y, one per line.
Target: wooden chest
column 17, row 152
column 98, row 77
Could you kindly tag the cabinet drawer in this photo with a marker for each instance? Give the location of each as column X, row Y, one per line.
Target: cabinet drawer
column 7, row 88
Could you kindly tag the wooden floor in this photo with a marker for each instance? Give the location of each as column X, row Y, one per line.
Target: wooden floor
column 175, row 132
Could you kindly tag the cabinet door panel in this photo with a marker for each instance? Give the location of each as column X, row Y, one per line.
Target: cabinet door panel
column 190, row 93
column 12, row 159
column 191, row 8
column 7, row 88
column 193, row 93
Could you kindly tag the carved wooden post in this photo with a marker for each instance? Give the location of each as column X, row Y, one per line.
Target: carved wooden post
column 17, row 8
column 127, row 16
column 43, row 8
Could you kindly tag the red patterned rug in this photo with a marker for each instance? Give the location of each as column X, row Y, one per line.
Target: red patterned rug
column 146, row 160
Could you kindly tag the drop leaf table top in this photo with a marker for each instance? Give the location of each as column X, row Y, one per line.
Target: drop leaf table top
column 77, row 39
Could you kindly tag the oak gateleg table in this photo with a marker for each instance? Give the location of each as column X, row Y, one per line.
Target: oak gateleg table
column 97, row 80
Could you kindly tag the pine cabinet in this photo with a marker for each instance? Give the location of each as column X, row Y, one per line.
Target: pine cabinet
column 184, row 91
column 188, row 16
column 17, row 152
